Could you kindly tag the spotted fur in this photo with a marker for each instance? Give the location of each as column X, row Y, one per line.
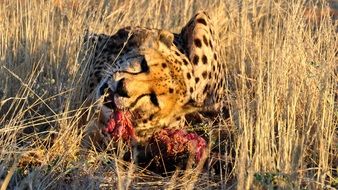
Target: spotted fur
column 157, row 75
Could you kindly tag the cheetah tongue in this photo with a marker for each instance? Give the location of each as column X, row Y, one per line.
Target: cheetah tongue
column 120, row 126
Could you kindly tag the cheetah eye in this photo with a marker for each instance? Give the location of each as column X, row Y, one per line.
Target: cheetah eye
column 153, row 99
column 144, row 66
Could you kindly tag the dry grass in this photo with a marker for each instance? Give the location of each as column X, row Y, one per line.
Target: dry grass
column 282, row 95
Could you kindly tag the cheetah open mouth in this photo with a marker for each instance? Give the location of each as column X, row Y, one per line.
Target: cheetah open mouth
column 111, row 98
column 119, row 124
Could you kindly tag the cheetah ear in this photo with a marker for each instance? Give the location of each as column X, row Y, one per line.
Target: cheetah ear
column 167, row 38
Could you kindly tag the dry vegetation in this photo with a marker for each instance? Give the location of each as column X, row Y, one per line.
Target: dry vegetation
column 282, row 95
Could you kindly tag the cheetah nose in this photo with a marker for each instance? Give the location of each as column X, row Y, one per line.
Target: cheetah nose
column 121, row 89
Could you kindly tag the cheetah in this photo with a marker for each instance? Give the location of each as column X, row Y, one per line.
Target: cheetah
column 157, row 75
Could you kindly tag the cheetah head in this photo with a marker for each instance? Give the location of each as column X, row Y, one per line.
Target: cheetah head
column 156, row 75
column 147, row 75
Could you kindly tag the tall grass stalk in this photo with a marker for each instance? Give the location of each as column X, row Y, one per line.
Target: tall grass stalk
column 282, row 92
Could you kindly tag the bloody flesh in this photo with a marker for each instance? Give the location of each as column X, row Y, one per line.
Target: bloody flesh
column 120, row 126
column 179, row 141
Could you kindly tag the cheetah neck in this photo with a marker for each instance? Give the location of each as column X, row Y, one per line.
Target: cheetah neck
column 199, row 41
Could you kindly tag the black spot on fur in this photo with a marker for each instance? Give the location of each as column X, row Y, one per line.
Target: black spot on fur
column 171, row 90
column 204, row 59
column 205, row 40
column 195, row 60
column 98, row 79
column 202, row 21
column 205, row 74
column 210, row 42
column 164, row 65
column 213, row 67
column 100, row 66
column 185, row 62
column 188, row 75
column 198, row 43
column 206, row 88
column 215, row 56
column 197, row 79
column 97, row 73
column 211, row 32
column 177, row 53
column 222, row 82
column 219, row 66
column 191, row 90
column 151, row 117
